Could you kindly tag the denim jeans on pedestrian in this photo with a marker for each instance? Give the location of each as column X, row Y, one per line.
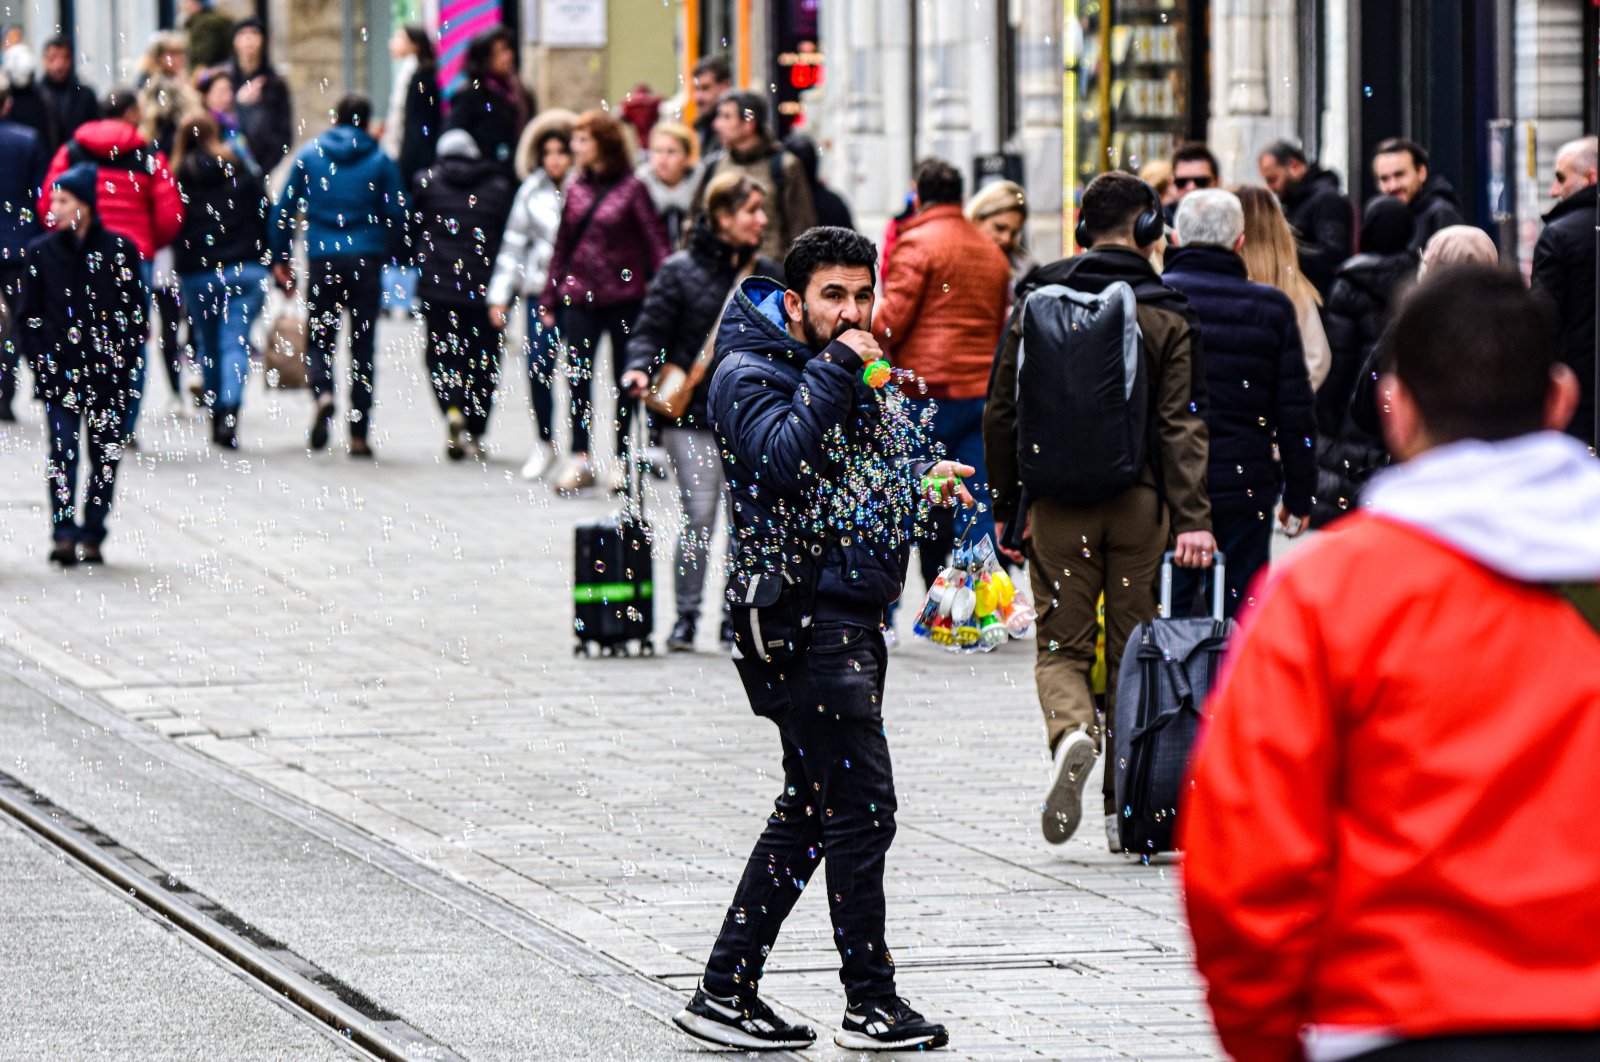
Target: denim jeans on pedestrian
column 130, row 419
column 222, row 308
column 100, row 433
column 582, row 325
column 697, row 466
column 837, row 805
column 544, row 354
column 338, row 285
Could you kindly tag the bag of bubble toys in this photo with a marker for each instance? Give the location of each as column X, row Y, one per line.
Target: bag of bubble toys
column 973, row 606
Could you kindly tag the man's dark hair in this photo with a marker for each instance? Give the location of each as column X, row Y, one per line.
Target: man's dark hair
column 1284, row 152
column 1397, row 144
column 119, row 101
column 1111, row 203
column 1195, row 151
column 937, row 182
column 60, row 40
column 353, row 109
column 716, row 66
column 827, row 245
column 751, row 106
column 1475, row 349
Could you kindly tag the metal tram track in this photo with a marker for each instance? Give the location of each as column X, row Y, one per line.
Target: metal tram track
column 317, row 996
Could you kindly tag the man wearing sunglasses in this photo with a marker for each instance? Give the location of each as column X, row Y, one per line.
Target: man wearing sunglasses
column 1193, row 167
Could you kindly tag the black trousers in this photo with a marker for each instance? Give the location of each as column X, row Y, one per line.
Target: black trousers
column 97, row 432
column 10, row 351
column 344, row 285
column 837, row 802
column 1504, row 1047
column 463, row 356
column 581, row 329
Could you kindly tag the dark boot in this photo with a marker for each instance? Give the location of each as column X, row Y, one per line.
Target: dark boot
column 225, row 427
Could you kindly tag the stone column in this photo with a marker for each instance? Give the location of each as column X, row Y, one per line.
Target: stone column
column 945, row 124
column 1247, row 111
column 1039, row 59
column 864, row 114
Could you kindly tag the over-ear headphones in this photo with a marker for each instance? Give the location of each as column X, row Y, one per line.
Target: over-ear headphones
column 1149, row 227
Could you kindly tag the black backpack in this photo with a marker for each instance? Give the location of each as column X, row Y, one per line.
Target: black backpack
column 1083, row 395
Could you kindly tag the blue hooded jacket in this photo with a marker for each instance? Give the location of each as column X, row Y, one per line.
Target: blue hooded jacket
column 349, row 191
column 773, row 402
column 19, row 189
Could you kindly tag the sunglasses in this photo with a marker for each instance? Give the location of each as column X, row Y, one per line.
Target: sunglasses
column 1192, row 182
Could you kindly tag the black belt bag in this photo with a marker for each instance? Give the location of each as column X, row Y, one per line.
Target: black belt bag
column 770, row 622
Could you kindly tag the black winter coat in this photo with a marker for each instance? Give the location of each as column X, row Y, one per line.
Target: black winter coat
column 1257, row 388
column 71, row 103
column 1364, row 294
column 1563, row 270
column 81, row 310
column 423, row 118
column 773, row 404
column 267, row 124
column 458, row 214
column 1324, row 226
column 492, row 121
column 224, row 217
column 684, row 305
column 1435, row 207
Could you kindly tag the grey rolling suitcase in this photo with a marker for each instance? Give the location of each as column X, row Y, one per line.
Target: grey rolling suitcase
column 1167, row 669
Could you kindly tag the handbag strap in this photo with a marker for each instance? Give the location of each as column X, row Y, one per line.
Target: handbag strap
column 708, row 350
column 588, row 215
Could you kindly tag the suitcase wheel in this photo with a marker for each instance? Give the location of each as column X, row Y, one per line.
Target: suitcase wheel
column 647, row 649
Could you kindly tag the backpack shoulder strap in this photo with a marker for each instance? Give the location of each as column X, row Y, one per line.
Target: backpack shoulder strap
column 1585, row 597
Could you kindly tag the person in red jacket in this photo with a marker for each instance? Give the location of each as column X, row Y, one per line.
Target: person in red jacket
column 137, row 195
column 1391, row 849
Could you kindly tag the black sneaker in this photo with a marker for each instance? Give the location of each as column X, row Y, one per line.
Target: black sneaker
column 321, row 424
column 748, row 1024
column 681, row 640
column 888, row 1025
column 91, row 555
column 64, row 554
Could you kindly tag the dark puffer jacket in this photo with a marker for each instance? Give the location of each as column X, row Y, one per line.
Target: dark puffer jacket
column 486, row 111
column 458, row 214
column 1364, row 295
column 1324, row 225
column 773, row 403
column 1563, row 270
column 1434, row 207
column 81, row 313
column 1257, row 388
column 268, row 123
column 684, row 304
column 226, row 217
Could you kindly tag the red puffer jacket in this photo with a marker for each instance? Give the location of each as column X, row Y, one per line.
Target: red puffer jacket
column 1390, row 826
column 137, row 196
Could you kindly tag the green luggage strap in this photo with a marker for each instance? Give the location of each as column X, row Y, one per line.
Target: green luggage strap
column 1585, row 597
column 606, row 593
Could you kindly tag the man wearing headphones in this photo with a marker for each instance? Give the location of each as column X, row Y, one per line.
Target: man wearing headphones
column 1077, row 552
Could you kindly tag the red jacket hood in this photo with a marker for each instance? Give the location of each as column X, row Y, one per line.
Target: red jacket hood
column 109, row 137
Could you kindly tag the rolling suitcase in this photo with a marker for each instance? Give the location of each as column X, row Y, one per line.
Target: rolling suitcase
column 1167, row 669
column 613, row 584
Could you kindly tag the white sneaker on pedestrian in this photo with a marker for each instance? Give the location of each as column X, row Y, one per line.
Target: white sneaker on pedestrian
column 1063, row 801
column 577, row 475
column 540, row 462
column 1114, row 834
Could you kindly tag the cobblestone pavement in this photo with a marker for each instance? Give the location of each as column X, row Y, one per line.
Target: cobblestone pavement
column 391, row 644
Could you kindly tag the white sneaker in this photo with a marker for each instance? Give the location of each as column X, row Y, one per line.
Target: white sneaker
column 1114, row 834
column 578, row 475
column 540, row 462
column 1063, row 801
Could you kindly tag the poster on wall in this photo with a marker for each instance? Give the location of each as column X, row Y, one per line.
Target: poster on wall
column 572, row 23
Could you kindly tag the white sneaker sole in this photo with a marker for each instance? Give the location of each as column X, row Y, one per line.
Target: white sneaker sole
column 714, row 1032
column 854, row 1041
column 1063, row 804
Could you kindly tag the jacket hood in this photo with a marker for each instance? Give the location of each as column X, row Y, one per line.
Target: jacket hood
column 1527, row 507
column 1434, row 188
column 346, row 143
column 1582, row 199
column 109, row 137
column 1098, row 268
column 753, row 323
column 1315, row 181
column 1201, row 258
column 1380, row 274
column 462, row 172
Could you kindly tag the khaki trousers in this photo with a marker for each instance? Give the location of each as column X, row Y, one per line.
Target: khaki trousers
column 1075, row 555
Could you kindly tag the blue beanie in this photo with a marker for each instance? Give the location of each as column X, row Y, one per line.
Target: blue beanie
column 81, row 181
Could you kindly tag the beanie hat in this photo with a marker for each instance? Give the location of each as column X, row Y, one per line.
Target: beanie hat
column 458, row 143
column 81, row 182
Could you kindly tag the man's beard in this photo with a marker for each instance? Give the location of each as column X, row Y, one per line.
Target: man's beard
column 815, row 336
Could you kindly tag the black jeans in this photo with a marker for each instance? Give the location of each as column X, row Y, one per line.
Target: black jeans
column 463, row 356
column 104, row 449
column 1503, row 1047
column 1245, row 538
column 837, row 799
column 337, row 285
column 581, row 329
column 10, row 350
